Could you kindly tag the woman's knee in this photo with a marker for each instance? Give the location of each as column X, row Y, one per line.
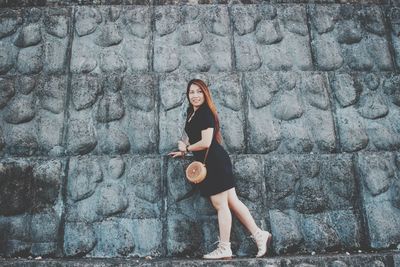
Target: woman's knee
column 220, row 200
column 233, row 200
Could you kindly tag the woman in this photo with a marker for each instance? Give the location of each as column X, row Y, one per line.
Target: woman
column 203, row 129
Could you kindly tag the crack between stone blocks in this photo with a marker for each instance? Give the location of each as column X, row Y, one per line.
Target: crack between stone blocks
column 385, row 14
column 150, row 54
column 245, row 103
column 65, row 131
column 232, row 39
column 68, row 94
column 309, row 27
column 61, row 229
column 156, row 79
column 359, row 204
column 164, row 205
column 331, row 96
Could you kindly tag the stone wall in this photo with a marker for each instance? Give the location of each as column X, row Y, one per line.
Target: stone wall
column 93, row 97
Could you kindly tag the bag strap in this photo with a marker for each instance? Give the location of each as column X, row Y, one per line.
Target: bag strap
column 205, row 157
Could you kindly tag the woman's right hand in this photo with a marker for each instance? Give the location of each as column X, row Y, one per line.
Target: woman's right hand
column 175, row 154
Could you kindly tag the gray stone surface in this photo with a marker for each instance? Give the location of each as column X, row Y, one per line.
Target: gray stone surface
column 380, row 185
column 396, row 260
column 192, row 38
column 285, row 110
column 271, row 37
column 363, row 117
column 120, row 207
column 111, row 39
column 31, row 204
column 33, row 114
column 39, row 42
column 92, row 97
column 112, row 114
column 350, row 39
column 311, row 203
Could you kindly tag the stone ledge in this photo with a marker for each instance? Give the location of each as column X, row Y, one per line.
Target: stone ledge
column 57, row 3
column 385, row 258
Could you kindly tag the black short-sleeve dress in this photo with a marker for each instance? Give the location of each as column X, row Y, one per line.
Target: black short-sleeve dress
column 219, row 167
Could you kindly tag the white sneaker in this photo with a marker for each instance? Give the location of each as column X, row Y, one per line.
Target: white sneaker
column 223, row 251
column 263, row 241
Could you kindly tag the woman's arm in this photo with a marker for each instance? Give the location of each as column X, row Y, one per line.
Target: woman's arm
column 204, row 143
column 185, row 139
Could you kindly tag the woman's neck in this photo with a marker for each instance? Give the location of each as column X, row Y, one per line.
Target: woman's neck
column 198, row 107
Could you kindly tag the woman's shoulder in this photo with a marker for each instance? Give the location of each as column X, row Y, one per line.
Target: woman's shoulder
column 206, row 116
column 205, row 109
column 205, row 112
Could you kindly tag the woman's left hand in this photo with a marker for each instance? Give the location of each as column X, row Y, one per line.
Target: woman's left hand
column 181, row 146
column 175, row 154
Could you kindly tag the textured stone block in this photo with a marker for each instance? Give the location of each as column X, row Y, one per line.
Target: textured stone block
column 114, row 238
column 118, row 199
column 35, row 40
column 15, row 237
column 184, row 236
column 311, row 201
column 30, row 206
column 248, row 172
column 144, row 187
column 33, row 115
column 396, row 260
column 47, row 184
column 134, row 193
column 57, row 26
column 79, row 238
column 85, row 173
column 286, row 110
column 271, row 37
column 113, row 114
column 367, row 111
column 380, row 193
column 173, row 107
column 11, row 20
column 16, row 190
column 193, row 38
column 150, row 230
column 44, row 233
column 227, row 92
column 111, row 39
column 349, row 38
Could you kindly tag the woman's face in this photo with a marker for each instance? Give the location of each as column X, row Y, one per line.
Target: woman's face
column 196, row 96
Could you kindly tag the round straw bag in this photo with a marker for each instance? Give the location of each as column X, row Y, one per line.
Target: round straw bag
column 196, row 171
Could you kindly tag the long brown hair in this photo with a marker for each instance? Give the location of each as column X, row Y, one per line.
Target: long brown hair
column 209, row 102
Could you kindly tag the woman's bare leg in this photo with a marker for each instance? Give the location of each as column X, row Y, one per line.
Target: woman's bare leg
column 241, row 212
column 220, row 203
column 262, row 238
